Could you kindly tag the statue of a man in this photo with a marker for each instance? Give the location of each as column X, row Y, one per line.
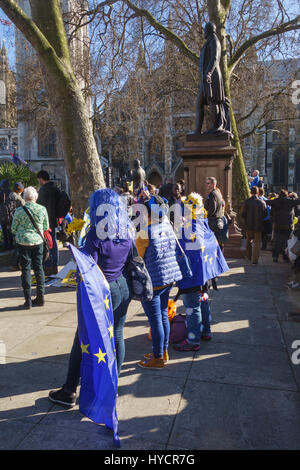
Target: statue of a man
column 211, row 91
column 139, row 175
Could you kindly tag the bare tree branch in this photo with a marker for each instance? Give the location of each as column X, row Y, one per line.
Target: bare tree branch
column 291, row 25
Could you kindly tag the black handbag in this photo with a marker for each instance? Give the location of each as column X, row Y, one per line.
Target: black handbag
column 46, row 252
column 138, row 277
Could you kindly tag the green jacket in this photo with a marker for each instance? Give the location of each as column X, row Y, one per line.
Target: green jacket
column 22, row 227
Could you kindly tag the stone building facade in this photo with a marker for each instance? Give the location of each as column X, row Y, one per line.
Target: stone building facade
column 275, row 149
column 8, row 130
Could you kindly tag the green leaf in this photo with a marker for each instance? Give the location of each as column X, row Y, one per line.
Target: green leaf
column 17, row 173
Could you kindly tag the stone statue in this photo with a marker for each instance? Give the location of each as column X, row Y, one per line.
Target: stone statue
column 211, row 91
column 139, row 175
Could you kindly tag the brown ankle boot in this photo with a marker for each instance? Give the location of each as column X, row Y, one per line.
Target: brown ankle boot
column 154, row 363
column 165, row 356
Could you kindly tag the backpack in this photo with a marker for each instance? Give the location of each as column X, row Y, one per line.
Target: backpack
column 63, row 205
column 178, row 330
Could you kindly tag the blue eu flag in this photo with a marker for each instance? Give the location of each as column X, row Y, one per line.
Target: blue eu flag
column 213, row 261
column 206, row 258
column 99, row 376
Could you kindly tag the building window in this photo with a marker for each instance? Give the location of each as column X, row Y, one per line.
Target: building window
column 3, row 143
column 47, row 145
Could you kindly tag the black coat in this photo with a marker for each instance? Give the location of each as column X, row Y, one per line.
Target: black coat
column 254, row 212
column 282, row 212
column 48, row 196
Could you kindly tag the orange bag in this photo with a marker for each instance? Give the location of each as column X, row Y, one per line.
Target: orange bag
column 171, row 315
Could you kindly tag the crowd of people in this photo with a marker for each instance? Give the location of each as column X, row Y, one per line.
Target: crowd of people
column 29, row 220
column 274, row 219
column 159, row 242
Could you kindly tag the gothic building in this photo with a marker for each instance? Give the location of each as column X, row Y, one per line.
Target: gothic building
column 275, row 149
column 154, row 138
column 8, row 130
column 145, row 120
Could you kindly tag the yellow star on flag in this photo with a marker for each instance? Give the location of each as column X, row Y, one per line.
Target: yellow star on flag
column 106, row 301
column 210, row 259
column 193, row 237
column 205, row 258
column 100, row 356
column 111, row 331
column 203, row 248
column 84, row 348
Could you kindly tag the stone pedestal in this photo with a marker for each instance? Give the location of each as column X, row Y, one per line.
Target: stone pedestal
column 212, row 155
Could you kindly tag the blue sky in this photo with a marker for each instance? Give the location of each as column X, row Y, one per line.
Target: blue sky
column 7, row 33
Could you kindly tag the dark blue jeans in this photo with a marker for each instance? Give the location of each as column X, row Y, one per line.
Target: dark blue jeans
column 157, row 313
column 32, row 256
column 120, row 300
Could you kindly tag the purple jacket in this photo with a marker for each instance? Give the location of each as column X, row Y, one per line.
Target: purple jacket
column 110, row 255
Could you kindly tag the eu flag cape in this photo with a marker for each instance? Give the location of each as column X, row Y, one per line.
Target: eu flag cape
column 99, row 376
column 206, row 259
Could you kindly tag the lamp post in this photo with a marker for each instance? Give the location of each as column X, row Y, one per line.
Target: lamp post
column 266, row 132
column 9, row 134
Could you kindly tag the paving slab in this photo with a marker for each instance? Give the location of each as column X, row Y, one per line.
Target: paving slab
column 240, row 391
column 13, row 433
column 246, row 418
column 49, row 341
column 243, row 364
column 258, row 331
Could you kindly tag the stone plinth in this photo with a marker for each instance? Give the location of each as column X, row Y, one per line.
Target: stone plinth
column 212, row 155
column 205, row 155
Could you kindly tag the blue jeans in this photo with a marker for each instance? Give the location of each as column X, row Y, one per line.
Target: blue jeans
column 120, row 300
column 54, row 252
column 197, row 317
column 157, row 313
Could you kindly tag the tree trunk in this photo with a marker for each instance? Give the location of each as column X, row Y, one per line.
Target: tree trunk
column 73, row 125
column 75, row 132
column 47, row 35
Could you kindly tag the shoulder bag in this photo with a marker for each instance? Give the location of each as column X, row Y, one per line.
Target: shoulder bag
column 46, row 252
column 138, row 277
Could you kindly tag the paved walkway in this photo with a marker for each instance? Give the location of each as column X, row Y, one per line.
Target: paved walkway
column 240, row 391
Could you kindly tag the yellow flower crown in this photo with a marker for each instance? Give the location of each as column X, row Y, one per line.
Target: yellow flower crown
column 195, row 202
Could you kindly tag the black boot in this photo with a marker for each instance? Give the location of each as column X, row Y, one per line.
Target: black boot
column 38, row 301
column 28, row 302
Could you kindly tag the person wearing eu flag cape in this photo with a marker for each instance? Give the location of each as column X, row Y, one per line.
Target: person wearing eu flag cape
column 97, row 298
column 207, row 261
